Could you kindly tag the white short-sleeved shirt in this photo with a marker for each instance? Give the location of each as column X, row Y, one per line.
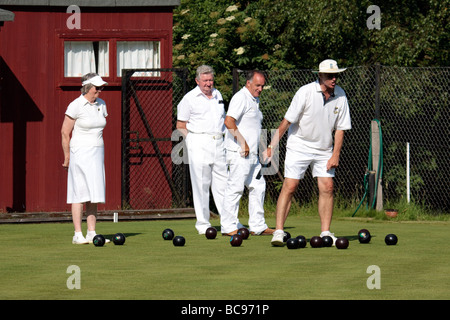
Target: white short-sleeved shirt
column 90, row 122
column 203, row 115
column 313, row 121
column 244, row 108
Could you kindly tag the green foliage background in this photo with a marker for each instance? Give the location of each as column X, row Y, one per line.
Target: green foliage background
column 292, row 34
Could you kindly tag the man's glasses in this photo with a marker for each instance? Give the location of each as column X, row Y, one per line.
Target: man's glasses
column 330, row 76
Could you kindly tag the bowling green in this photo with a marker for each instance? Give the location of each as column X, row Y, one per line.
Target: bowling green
column 37, row 261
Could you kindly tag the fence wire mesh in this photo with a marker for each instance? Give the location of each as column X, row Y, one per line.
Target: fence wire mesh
column 412, row 106
column 149, row 178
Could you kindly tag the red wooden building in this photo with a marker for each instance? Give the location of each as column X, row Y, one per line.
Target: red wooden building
column 45, row 47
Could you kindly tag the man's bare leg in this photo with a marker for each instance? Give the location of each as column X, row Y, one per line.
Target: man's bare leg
column 326, row 202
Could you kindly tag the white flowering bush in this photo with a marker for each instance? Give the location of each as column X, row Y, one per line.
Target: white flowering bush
column 293, row 34
column 223, row 34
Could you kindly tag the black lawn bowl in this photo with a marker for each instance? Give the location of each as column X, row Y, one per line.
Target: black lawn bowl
column 179, row 241
column 211, row 233
column 301, row 241
column 235, row 240
column 327, row 241
column 99, row 240
column 119, row 239
column 286, row 236
column 364, row 236
column 168, row 234
column 341, row 243
column 244, row 233
column 292, row 243
column 391, row 239
column 316, row 242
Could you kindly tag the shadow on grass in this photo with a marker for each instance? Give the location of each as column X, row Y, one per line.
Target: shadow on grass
column 110, row 236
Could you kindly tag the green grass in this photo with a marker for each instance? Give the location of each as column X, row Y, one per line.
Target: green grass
column 35, row 257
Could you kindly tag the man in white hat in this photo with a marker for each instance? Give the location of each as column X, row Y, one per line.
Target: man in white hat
column 317, row 110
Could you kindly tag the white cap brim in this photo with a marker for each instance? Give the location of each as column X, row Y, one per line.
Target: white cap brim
column 96, row 81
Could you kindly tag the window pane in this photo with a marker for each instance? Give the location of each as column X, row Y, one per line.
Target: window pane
column 81, row 57
column 78, row 58
column 138, row 55
column 103, row 59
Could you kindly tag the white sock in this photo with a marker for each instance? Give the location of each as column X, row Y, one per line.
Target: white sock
column 79, row 234
column 325, row 233
column 91, row 233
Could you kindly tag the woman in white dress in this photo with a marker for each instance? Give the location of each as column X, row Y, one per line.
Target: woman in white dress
column 85, row 119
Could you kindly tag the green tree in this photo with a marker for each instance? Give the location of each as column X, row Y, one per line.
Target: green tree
column 292, row 34
column 413, row 33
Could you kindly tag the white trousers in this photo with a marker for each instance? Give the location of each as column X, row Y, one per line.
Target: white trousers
column 208, row 169
column 243, row 173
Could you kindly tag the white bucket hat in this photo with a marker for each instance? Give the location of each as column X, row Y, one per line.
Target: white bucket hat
column 329, row 66
column 96, row 81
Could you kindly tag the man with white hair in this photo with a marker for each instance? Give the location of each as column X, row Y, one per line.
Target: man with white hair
column 317, row 110
column 200, row 118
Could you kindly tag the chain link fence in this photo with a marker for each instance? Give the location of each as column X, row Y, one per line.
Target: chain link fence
column 412, row 106
column 150, row 180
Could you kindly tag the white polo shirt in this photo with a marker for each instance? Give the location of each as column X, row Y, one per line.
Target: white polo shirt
column 90, row 122
column 244, row 108
column 313, row 121
column 203, row 115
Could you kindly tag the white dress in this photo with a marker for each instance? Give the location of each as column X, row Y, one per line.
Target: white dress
column 86, row 176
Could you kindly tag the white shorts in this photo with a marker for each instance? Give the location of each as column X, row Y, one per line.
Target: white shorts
column 297, row 162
